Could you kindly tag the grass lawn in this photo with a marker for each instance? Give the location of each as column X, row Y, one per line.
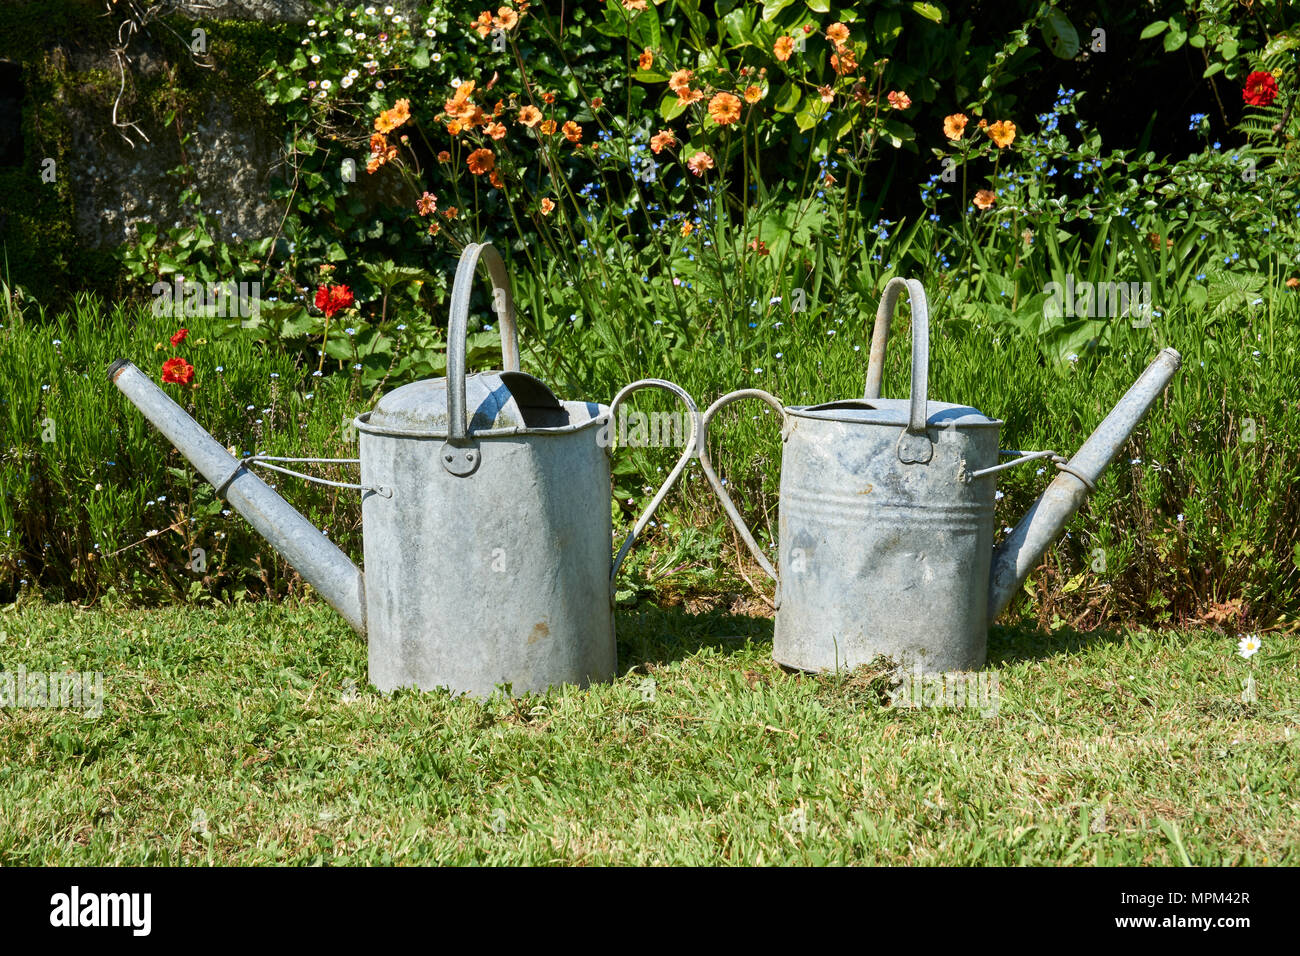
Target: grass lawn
column 248, row 734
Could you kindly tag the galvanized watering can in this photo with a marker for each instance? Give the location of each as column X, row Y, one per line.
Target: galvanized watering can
column 485, row 518
column 886, row 515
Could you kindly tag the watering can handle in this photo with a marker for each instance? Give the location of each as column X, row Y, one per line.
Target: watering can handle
column 727, row 504
column 914, row 444
column 673, row 475
column 458, row 328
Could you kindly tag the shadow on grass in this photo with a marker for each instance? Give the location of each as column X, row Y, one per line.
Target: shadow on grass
column 1026, row 641
column 655, row 635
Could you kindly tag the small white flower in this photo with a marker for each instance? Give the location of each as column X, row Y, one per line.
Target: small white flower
column 370, row 11
column 1248, row 645
column 455, row 82
column 315, row 57
column 379, row 84
column 997, row 496
column 345, row 82
column 388, row 11
column 428, row 33
column 325, row 84
column 311, row 23
column 347, row 32
column 99, row 487
column 151, row 533
column 437, row 58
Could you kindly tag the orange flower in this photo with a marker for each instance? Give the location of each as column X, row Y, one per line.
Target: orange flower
column 838, row 34
column 507, row 19
column 954, row 126
column 401, row 112
column 572, row 132
column 699, row 163
column 783, row 47
column 499, row 108
column 530, row 116
column 1292, row 282
column 451, row 212
column 646, row 59
column 759, row 246
column 634, row 5
column 983, row 123
column 984, row 199
column 459, row 101
column 454, row 127
column 680, row 80
column 753, row 94
column 444, row 157
column 495, row 179
column 483, row 24
column 899, row 100
column 844, row 61
column 724, row 108
column 687, row 228
column 495, row 130
column 1003, row 133
column 548, row 127
column 661, row 140
column 427, row 204
column 689, row 96
column 434, row 228
column 597, row 102
column 380, row 152
column 481, row 161
column 826, row 93
column 547, row 206
column 548, row 98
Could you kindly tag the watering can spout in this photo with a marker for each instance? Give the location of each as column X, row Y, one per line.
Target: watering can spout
column 1020, row 551
column 305, row 547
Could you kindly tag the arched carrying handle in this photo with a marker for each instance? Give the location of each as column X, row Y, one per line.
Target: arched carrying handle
column 727, row 504
column 914, row 445
column 456, row 457
column 673, row 475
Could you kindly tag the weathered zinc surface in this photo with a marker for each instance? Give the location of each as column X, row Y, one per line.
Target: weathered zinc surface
column 887, row 515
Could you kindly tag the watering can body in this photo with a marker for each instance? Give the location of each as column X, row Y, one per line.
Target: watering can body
column 877, row 555
column 497, row 577
column 486, row 521
column 886, row 520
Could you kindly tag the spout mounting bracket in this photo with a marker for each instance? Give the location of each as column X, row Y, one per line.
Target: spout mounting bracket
column 460, row 460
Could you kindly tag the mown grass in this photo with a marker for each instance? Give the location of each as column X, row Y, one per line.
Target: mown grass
column 248, row 734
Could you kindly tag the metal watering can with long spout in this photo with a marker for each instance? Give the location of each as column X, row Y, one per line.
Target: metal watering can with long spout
column 485, row 510
column 886, row 515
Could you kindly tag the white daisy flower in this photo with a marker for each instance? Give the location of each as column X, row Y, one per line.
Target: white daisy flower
column 1248, row 645
column 315, row 57
column 325, row 84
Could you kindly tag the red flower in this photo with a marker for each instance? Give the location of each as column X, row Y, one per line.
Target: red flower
column 178, row 370
column 1260, row 89
column 332, row 299
column 179, row 337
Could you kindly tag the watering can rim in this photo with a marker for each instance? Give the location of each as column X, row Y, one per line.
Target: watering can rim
column 893, row 412
column 422, row 409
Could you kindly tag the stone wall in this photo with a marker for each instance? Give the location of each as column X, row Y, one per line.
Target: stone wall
column 59, row 81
